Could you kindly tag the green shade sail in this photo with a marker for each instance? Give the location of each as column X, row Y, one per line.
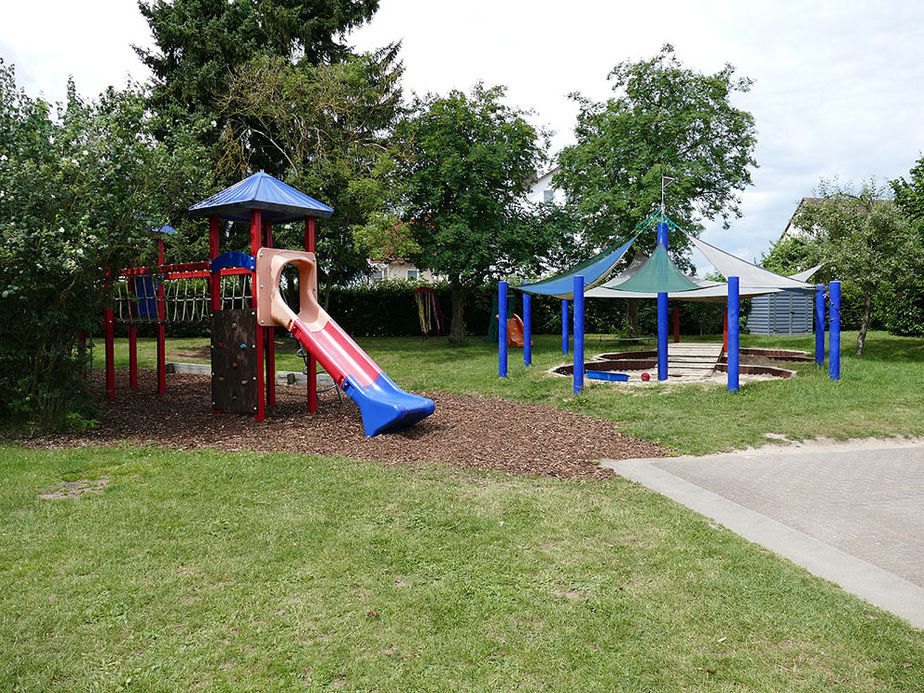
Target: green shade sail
column 658, row 275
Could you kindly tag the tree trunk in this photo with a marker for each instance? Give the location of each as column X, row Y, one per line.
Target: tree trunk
column 632, row 316
column 457, row 326
column 867, row 310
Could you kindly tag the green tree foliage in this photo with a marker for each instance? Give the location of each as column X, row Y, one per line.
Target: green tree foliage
column 904, row 314
column 78, row 193
column 327, row 124
column 791, row 255
column 909, row 194
column 665, row 120
column 865, row 239
column 464, row 162
column 200, row 42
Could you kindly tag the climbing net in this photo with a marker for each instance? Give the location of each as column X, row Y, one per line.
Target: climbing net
column 137, row 298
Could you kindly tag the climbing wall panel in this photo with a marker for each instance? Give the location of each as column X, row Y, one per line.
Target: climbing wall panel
column 234, row 361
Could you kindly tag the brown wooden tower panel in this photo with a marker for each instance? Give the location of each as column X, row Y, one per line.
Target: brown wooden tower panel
column 234, row 360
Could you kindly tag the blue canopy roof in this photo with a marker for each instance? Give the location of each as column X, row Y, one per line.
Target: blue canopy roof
column 280, row 203
column 163, row 229
column 594, row 271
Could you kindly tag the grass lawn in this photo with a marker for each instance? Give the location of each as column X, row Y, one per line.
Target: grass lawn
column 880, row 394
column 276, row 572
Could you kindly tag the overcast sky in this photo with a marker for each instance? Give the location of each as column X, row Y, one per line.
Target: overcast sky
column 839, row 84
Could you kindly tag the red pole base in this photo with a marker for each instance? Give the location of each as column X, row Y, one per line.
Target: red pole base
column 312, row 385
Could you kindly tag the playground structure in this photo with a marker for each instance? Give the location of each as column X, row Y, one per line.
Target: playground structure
column 657, row 277
column 245, row 304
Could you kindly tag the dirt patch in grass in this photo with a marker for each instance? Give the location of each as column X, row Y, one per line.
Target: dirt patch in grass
column 73, row 489
column 469, row 431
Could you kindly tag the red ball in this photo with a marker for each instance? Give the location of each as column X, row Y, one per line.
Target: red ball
column 646, row 377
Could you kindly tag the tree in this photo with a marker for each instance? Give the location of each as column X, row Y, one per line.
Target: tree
column 909, row 195
column 200, row 43
column 666, row 120
column 863, row 238
column 78, row 193
column 328, row 125
column 904, row 313
column 463, row 165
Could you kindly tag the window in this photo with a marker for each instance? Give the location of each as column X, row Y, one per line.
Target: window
column 412, row 273
column 376, row 275
column 548, row 195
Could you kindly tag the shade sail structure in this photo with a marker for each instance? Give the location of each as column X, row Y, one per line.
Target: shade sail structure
column 278, row 202
column 657, row 275
column 807, row 274
column 750, row 275
column 614, row 289
column 595, row 270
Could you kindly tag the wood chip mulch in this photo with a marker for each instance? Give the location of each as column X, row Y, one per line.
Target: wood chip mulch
column 469, row 431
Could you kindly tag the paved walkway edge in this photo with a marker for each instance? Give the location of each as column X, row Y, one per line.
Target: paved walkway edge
column 877, row 586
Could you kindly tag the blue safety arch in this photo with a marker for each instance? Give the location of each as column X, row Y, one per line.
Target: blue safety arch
column 233, row 259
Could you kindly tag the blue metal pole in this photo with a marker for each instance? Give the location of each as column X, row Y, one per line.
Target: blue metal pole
column 820, row 325
column 527, row 330
column 663, row 313
column 662, row 335
column 834, row 339
column 502, row 329
column 662, row 233
column 578, row 334
column 564, row 326
column 734, row 329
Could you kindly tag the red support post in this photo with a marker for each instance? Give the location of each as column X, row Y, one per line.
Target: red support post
column 214, row 279
column 312, row 363
column 725, row 331
column 676, row 325
column 256, row 229
column 161, row 327
column 270, row 336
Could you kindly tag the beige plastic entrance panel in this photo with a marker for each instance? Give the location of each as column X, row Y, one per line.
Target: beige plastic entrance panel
column 271, row 307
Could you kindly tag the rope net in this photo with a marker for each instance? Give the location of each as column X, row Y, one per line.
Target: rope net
column 138, row 299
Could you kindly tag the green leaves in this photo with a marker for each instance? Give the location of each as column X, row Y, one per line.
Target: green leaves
column 463, row 165
column 666, row 120
column 78, row 194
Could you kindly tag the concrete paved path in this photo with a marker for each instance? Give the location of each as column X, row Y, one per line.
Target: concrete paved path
column 850, row 513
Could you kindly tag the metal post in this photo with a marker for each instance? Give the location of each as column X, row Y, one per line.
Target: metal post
column 662, row 335
column 312, row 366
column 578, row 334
column 834, row 338
column 564, row 326
column 502, row 329
column 256, row 227
column 676, row 325
column 820, row 325
column 663, row 314
column 527, row 330
column 733, row 334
